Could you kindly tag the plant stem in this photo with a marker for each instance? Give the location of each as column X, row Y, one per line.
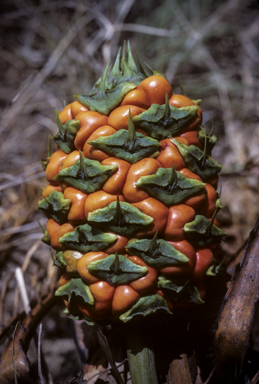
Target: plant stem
column 141, row 355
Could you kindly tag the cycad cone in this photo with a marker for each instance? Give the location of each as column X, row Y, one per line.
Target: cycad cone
column 131, row 200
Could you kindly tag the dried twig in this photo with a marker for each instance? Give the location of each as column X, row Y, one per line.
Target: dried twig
column 22, row 340
column 179, row 372
column 236, row 317
column 255, row 379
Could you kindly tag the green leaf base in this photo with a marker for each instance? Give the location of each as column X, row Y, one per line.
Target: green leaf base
column 141, row 356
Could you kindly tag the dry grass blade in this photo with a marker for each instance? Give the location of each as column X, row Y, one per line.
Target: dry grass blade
column 2, row 299
column 22, row 289
column 47, row 69
column 21, row 229
column 26, row 10
column 145, row 29
column 20, row 241
column 13, row 355
column 39, row 356
column 106, row 349
column 29, row 255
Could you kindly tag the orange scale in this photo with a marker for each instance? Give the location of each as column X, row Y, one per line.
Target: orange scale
column 76, row 215
column 50, row 188
column 119, row 117
column 118, row 246
column 187, row 173
column 194, row 123
column 52, row 228
column 208, row 208
column 156, row 87
column 93, row 153
column 116, row 181
column 137, row 97
column 76, row 108
column 204, row 259
column 83, row 263
column 99, row 199
column 185, row 268
column 180, row 101
column 124, row 298
column 64, row 279
column 65, row 228
column 70, row 159
column 89, row 122
column 170, row 155
column 66, row 114
column 144, row 167
column 178, row 216
column 155, row 209
column 103, row 294
column 197, row 201
column 147, row 283
column 192, row 137
column 54, row 165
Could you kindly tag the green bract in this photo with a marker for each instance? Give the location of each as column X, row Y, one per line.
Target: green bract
column 156, row 252
column 86, row 238
column 110, row 89
column 86, row 175
column 169, row 186
column 165, row 121
column 208, row 137
column 180, row 290
column 59, row 260
column 45, row 161
column 66, row 135
column 46, row 238
column 55, row 206
column 132, row 150
column 119, row 217
column 198, row 161
column 107, row 100
column 124, row 70
column 201, row 232
column 78, row 288
column 116, row 269
column 145, row 306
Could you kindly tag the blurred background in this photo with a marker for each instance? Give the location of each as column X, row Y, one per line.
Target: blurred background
column 51, row 50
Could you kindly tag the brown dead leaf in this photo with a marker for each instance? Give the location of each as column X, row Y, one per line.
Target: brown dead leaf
column 22, row 364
